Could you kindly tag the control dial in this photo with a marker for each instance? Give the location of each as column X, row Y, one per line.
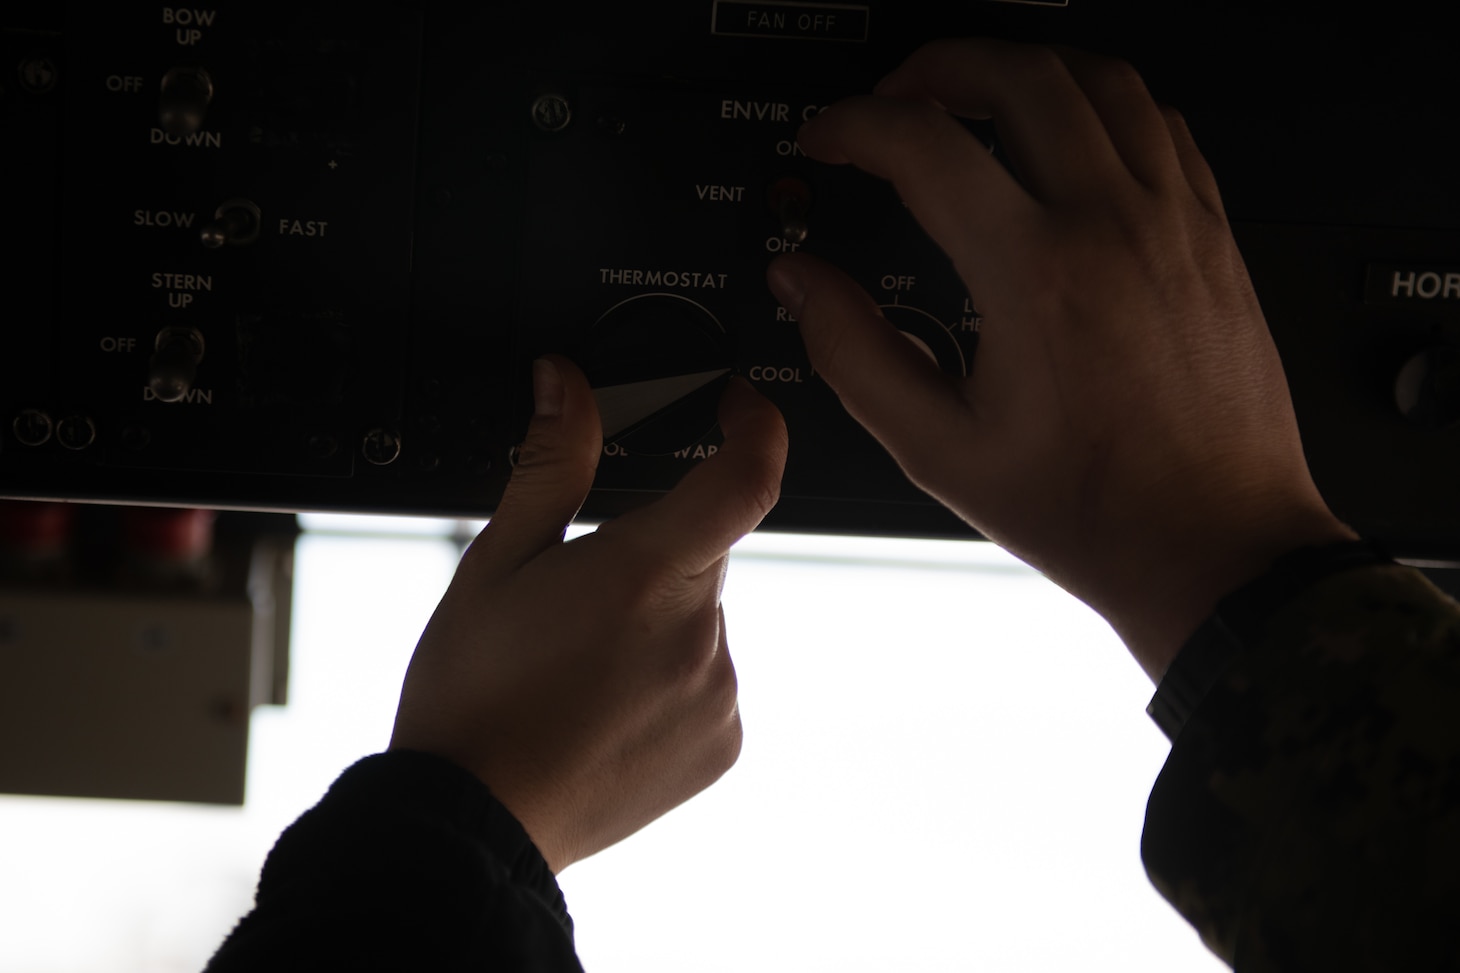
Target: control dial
column 658, row 364
column 1427, row 390
column 929, row 336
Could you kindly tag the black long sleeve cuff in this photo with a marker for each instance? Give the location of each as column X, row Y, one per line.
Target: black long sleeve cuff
column 407, row 863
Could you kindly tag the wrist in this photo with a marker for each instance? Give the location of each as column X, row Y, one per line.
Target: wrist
column 1186, row 587
column 1241, row 620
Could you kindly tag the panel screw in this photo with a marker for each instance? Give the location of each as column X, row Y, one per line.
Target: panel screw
column 227, row 711
column 37, row 74
column 551, row 113
column 76, row 432
column 136, row 437
column 381, row 446
column 321, row 446
column 32, row 427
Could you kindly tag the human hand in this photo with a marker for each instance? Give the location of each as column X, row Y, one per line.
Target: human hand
column 589, row 683
column 1126, row 426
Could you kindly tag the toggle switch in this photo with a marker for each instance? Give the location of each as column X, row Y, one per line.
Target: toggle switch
column 790, row 199
column 235, row 223
column 174, row 364
column 186, row 94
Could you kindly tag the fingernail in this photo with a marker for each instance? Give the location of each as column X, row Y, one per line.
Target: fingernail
column 895, row 83
column 547, row 388
column 787, row 285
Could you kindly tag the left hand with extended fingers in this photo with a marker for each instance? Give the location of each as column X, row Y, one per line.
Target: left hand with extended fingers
column 589, row 683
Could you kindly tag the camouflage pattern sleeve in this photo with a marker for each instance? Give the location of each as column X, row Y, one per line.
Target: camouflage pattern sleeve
column 1308, row 817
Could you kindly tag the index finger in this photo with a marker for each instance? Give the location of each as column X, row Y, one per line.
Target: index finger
column 960, row 194
column 725, row 497
column 1046, row 119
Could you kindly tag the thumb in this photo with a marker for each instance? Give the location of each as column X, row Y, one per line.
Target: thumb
column 894, row 390
column 554, row 469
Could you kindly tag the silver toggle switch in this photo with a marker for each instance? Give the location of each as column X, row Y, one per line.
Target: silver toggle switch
column 174, row 364
column 186, row 94
column 235, row 223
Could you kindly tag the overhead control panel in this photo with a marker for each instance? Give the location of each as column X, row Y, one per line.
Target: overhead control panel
column 300, row 256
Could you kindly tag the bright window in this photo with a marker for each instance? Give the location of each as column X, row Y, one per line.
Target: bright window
column 945, row 767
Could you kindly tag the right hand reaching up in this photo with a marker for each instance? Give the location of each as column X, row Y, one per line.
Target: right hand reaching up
column 1126, row 427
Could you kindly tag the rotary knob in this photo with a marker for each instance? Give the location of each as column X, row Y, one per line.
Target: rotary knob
column 658, row 364
column 929, row 336
column 1427, row 389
